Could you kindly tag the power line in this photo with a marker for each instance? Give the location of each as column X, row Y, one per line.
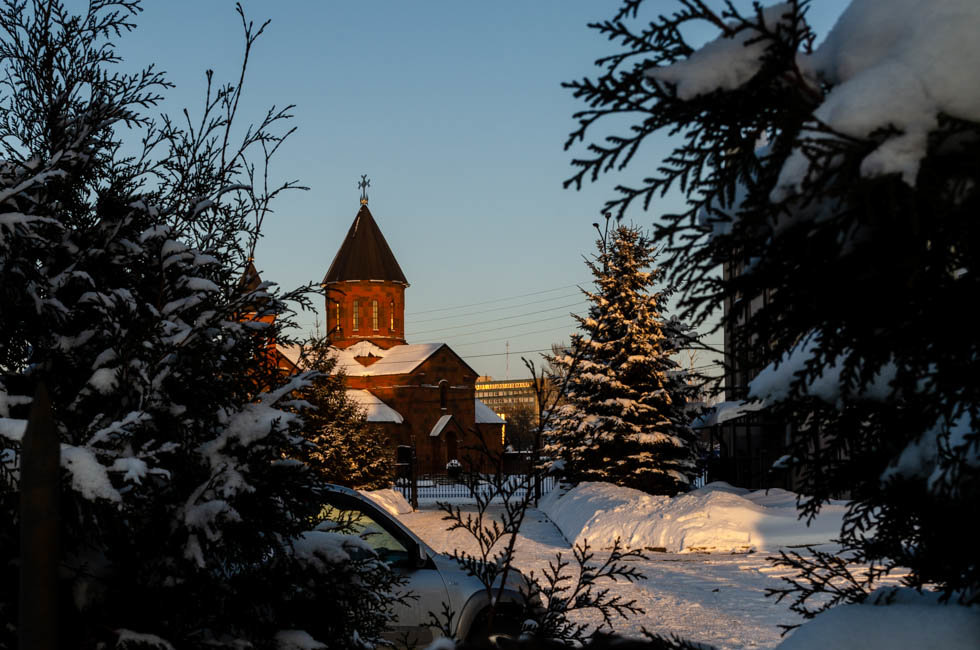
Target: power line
column 487, row 302
column 495, row 320
column 513, row 325
column 514, row 336
column 500, row 354
column 495, row 309
column 517, row 336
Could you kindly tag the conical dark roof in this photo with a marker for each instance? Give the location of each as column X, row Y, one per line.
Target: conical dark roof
column 249, row 282
column 250, row 279
column 365, row 254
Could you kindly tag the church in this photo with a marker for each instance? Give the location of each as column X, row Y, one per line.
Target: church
column 422, row 394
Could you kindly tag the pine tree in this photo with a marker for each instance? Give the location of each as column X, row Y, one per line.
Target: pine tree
column 624, row 417
column 183, row 522
column 811, row 180
column 345, row 449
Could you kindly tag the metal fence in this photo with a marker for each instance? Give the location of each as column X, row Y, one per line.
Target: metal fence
column 433, row 488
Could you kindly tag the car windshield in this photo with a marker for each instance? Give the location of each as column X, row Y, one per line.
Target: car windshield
column 353, row 521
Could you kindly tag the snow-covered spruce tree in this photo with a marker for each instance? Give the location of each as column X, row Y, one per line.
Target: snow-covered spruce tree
column 182, row 523
column 624, row 417
column 856, row 216
column 343, row 447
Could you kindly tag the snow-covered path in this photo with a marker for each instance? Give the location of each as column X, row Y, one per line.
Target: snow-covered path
column 716, row 599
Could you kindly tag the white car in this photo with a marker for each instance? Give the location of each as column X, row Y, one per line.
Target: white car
column 436, row 579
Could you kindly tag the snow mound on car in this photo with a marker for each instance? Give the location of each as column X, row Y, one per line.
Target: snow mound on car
column 717, row 518
column 390, row 500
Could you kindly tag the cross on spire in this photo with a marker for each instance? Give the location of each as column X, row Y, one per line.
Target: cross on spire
column 363, row 184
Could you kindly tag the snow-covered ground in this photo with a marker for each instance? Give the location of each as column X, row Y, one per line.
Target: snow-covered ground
column 715, row 598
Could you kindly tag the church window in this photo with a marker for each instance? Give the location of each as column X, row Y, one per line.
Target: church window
column 443, row 394
column 336, row 317
column 391, row 316
column 374, row 315
column 356, row 316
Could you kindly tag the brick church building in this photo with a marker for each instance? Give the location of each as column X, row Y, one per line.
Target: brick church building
column 423, row 395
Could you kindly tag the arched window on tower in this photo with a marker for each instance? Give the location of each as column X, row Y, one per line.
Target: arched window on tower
column 374, row 315
column 336, row 317
column 356, row 316
column 443, row 394
column 391, row 315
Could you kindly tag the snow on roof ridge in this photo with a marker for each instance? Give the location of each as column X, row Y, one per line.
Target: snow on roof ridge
column 365, row 349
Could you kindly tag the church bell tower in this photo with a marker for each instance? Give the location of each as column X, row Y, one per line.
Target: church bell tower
column 364, row 286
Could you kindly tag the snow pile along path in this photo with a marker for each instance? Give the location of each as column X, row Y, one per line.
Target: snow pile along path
column 716, row 518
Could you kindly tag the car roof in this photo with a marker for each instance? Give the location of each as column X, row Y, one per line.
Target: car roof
column 332, row 487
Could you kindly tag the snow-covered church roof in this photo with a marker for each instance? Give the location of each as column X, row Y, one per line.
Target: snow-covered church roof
column 398, row 360
column 485, row 415
column 291, row 352
column 376, row 410
column 440, row 425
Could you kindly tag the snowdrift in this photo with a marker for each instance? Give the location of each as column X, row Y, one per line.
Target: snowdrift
column 390, row 500
column 717, row 518
column 911, row 621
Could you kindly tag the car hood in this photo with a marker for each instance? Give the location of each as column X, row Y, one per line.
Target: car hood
column 461, row 586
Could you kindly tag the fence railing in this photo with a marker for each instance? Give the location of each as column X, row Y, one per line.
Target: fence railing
column 433, row 488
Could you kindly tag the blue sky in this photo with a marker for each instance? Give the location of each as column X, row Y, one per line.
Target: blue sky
column 456, row 113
